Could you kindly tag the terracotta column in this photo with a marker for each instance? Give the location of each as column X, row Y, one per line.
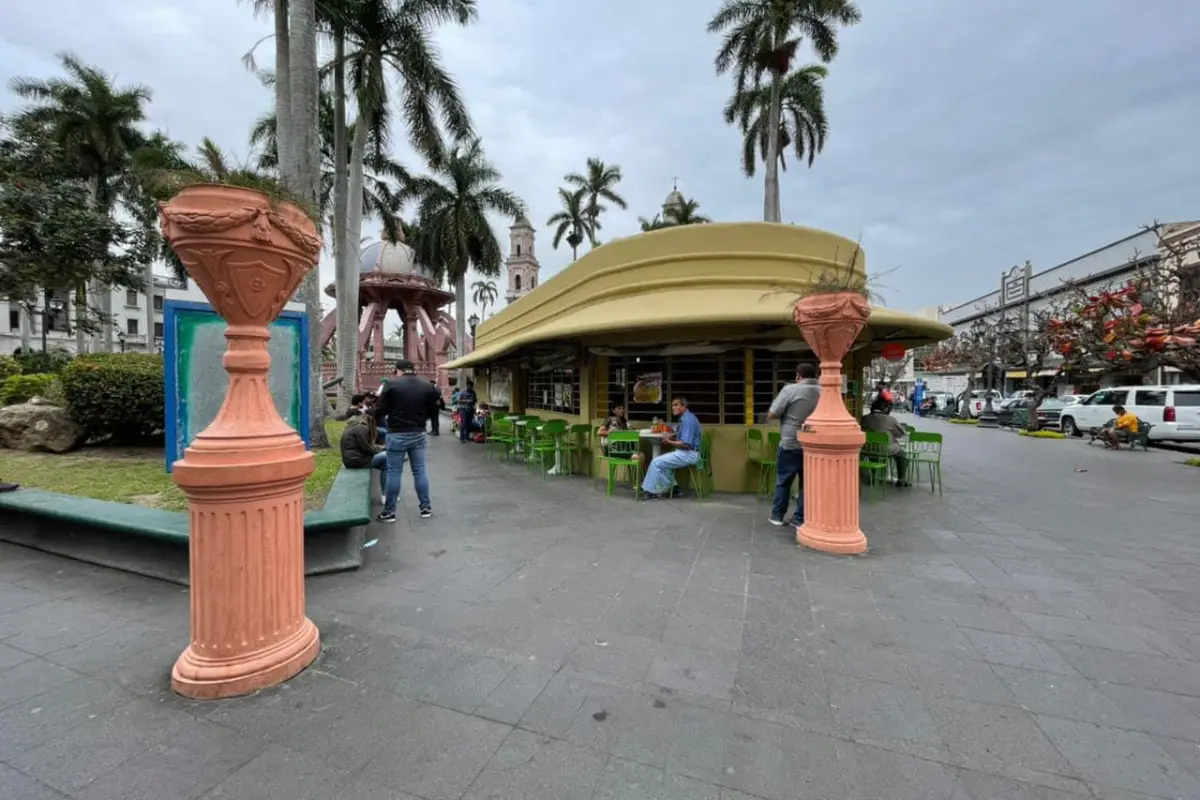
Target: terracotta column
column 244, row 474
column 831, row 438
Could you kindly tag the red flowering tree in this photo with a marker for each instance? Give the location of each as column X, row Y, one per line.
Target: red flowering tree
column 1148, row 321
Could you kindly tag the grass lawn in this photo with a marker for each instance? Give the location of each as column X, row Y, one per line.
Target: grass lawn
column 137, row 475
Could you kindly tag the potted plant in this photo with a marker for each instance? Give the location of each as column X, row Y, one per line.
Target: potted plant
column 247, row 245
column 830, row 315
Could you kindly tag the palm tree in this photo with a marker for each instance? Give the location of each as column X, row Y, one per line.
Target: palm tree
column 452, row 206
column 380, row 195
column 484, row 293
column 300, row 170
column 95, row 124
column 380, row 35
column 803, row 124
column 598, row 183
column 656, row 223
column 574, row 221
column 156, row 154
column 685, row 213
column 761, row 37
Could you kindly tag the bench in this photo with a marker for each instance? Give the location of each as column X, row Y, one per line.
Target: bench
column 154, row 541
column 1013, row 418
column 1142, row 437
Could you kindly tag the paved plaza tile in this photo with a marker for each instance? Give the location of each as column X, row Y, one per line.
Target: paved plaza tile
column 1033, row 634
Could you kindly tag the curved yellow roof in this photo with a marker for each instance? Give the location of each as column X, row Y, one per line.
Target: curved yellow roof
column 695, row 278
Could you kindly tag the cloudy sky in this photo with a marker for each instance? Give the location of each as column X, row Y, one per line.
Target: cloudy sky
column 966, row 136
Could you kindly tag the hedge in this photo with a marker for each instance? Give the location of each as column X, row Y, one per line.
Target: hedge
column 116, row 396
column 37, row 361
column 9, row 366
column 23, row 388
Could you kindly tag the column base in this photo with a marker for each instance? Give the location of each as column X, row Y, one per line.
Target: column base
column 202, row 678
column 844, row 543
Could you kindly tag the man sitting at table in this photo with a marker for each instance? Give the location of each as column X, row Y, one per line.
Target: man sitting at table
column 686, row 452
column 880, row 420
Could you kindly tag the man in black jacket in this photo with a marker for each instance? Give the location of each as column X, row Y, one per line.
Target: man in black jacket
column 408, row 403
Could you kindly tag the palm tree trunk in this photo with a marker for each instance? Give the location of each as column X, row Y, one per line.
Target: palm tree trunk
column 771, row 195
column 304, row 85
column 283, row 92
column 460, row 321
column 347, row 290
column 345, row 277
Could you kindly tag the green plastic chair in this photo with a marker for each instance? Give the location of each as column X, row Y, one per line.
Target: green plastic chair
column 700, row 473
column 925, row 449
column 873, row 462
column 501, row 437
column 622, row 447
column 577, row 446
column 758, row 452
column 543, row 444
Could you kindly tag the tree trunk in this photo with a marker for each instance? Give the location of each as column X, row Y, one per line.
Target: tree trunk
column 283, row 94
column 347, row 307
column 304, row 85
column 771, row 192
column 148, row 279
column 344, row 273
column 460, row 321
column 81, row 340
column 26, row 327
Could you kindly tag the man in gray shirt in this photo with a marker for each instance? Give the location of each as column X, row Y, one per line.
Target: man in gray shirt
column 792, row 408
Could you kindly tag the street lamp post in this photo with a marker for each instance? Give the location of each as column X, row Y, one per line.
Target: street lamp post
column 473, row 321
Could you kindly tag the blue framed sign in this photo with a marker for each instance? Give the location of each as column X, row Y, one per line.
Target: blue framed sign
column 193, row 346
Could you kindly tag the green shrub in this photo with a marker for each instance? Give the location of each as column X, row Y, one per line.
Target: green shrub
column 116, row 396
column 38, row 362
column 9, row 366
column 1043, row 434
column 22, row 388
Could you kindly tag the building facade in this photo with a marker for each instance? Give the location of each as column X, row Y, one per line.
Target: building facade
column 1105, row 266
column 22, row 331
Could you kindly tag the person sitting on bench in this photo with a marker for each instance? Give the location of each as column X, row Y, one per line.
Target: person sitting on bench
column 1125, row 423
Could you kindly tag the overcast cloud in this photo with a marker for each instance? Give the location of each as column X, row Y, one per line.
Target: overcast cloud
column 966, row 136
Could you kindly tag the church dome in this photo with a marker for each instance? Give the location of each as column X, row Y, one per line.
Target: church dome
column 673, row 199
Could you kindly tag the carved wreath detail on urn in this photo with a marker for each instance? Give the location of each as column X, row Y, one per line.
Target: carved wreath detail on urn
column 201, row 222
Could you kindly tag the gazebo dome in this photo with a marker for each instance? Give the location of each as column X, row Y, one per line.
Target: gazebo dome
column 394, row 258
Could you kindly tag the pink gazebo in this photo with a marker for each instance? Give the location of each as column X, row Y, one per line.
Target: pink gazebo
column 391, row 279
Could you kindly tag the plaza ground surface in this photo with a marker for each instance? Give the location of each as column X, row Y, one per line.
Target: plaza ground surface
column 1033, row 634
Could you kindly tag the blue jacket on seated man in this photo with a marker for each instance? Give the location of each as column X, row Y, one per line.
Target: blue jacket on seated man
column 685, row 444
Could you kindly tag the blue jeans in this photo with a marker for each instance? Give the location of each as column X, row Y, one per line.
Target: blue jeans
column 400, row 446
column 379, row 462
column 789, row 465
column 660, row 474
column 466, row 418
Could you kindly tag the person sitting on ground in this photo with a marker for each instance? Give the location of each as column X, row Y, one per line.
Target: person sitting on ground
column 685, row 444
column 359, row 450
column 880, row 420
column 1125, row 424
column 616, row 421
column 357, row 405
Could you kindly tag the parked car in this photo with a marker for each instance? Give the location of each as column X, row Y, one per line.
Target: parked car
column 977, row 400
column 1049, row 413
column 1174, row 411
column 1072, row 399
